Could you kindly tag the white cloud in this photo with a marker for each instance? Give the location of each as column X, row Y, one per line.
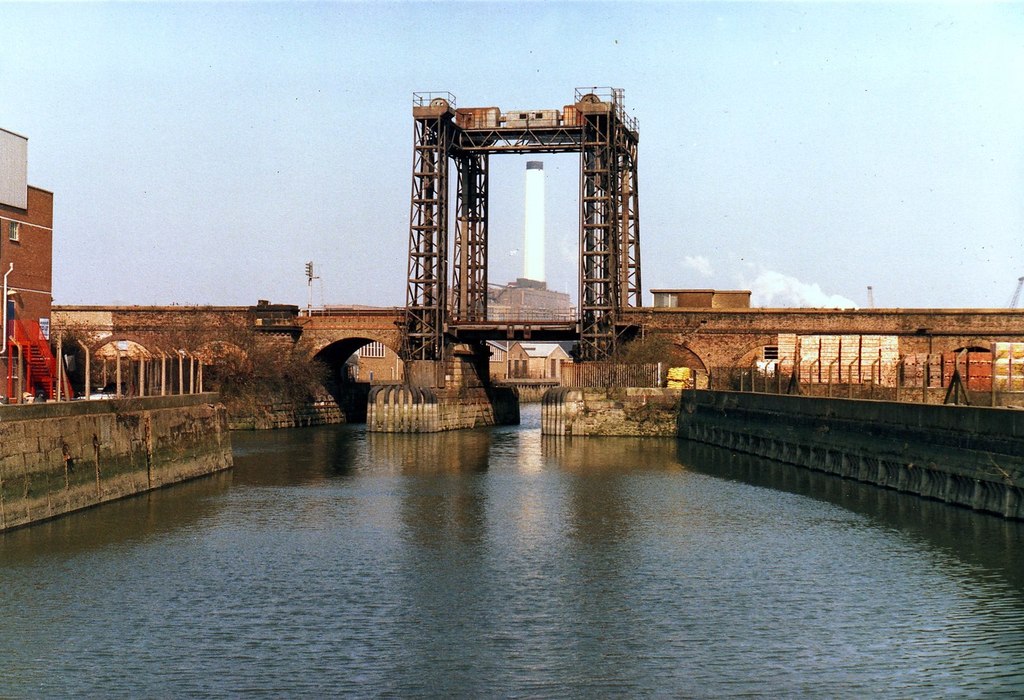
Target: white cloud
column 698, row 263
column 774, row 289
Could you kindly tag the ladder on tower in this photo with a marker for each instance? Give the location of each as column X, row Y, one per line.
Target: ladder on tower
column 40, row 366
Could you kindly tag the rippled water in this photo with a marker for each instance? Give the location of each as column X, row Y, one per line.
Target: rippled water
column 492, row 563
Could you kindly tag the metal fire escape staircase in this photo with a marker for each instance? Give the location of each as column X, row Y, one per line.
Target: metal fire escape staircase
column 40, row 366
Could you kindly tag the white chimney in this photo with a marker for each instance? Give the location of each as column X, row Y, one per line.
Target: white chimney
column 533, row 247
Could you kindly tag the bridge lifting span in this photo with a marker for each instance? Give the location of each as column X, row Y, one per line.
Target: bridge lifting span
column 596, row 127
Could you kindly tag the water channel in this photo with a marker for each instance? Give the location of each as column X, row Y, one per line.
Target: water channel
column 497, row 563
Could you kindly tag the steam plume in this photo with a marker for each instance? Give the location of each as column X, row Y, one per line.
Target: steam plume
column 774, row 289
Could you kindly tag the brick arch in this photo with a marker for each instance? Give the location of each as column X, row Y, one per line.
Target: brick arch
column 961, row 343
column 337, row 348
column 132, row 383
column 315, row 342
column 336, row 354
column 692, row 359
column 154, row 346
column 727, row 350
column 145, row 343
column 751, row 352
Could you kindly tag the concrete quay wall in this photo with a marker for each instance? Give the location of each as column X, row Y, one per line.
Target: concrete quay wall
column 963, row 455
column 968, row 456
column 61, row 457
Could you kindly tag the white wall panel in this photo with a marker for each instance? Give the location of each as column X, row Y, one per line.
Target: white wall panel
column 13, row 170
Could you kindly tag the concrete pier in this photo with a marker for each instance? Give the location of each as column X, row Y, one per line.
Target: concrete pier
column 643, row 412
column 450, row 395
column 409, row 409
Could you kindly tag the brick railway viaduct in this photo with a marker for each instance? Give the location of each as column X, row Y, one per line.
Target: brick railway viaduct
column 713, row 338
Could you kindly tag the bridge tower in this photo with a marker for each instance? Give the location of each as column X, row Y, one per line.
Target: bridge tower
column 596, row 127
column 609, row 222
column 427, row 291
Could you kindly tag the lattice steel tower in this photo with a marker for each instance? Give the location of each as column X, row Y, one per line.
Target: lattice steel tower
column 596, row 127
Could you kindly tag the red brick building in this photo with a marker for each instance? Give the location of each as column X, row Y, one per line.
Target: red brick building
column 26, row 240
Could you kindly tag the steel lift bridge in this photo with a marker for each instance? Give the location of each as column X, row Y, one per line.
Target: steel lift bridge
column 596, row 127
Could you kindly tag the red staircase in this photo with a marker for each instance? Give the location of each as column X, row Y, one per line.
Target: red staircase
column 39, row 362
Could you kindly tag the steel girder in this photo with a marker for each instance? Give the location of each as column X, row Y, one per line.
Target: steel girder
column 532, row 140
column 469, row 276
column 427, row 290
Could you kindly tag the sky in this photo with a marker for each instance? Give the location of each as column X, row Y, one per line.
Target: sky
column 202, row 153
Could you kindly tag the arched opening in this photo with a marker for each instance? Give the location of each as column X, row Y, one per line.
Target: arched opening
column 353, row 365
column 118, row 368
column 688, row 358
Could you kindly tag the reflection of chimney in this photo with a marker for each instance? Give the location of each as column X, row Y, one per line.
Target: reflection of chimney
column 533, row 247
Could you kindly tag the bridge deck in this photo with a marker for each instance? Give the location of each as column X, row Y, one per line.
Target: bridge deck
column 537, row 330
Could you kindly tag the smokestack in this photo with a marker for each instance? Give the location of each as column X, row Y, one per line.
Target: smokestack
column 533, row 246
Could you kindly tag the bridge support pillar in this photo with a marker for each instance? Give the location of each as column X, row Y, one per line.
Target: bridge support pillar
column 449, row 394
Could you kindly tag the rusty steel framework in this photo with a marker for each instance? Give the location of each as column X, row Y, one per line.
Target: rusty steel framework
column 596, row 127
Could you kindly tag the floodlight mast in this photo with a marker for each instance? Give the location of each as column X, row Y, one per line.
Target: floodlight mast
column 310, row 276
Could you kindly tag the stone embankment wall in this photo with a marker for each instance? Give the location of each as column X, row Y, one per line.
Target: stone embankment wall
column 284, row 414
column 341, row 403
column 625, row 412
column 60, row 457
column 964, row 455
column 407, row 409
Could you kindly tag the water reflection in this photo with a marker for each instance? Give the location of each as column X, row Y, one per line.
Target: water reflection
column 458, row 452
column 498, row 563
column 604, row 477
column 978, row 539
column 298, row 455
column 441, row 501
column 128, row 522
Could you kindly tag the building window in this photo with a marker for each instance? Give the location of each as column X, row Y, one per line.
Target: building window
column 771, row 353
column 373, row 349
column 13, row 230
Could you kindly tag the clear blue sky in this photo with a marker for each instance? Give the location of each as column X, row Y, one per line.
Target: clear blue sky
column 202, row 153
